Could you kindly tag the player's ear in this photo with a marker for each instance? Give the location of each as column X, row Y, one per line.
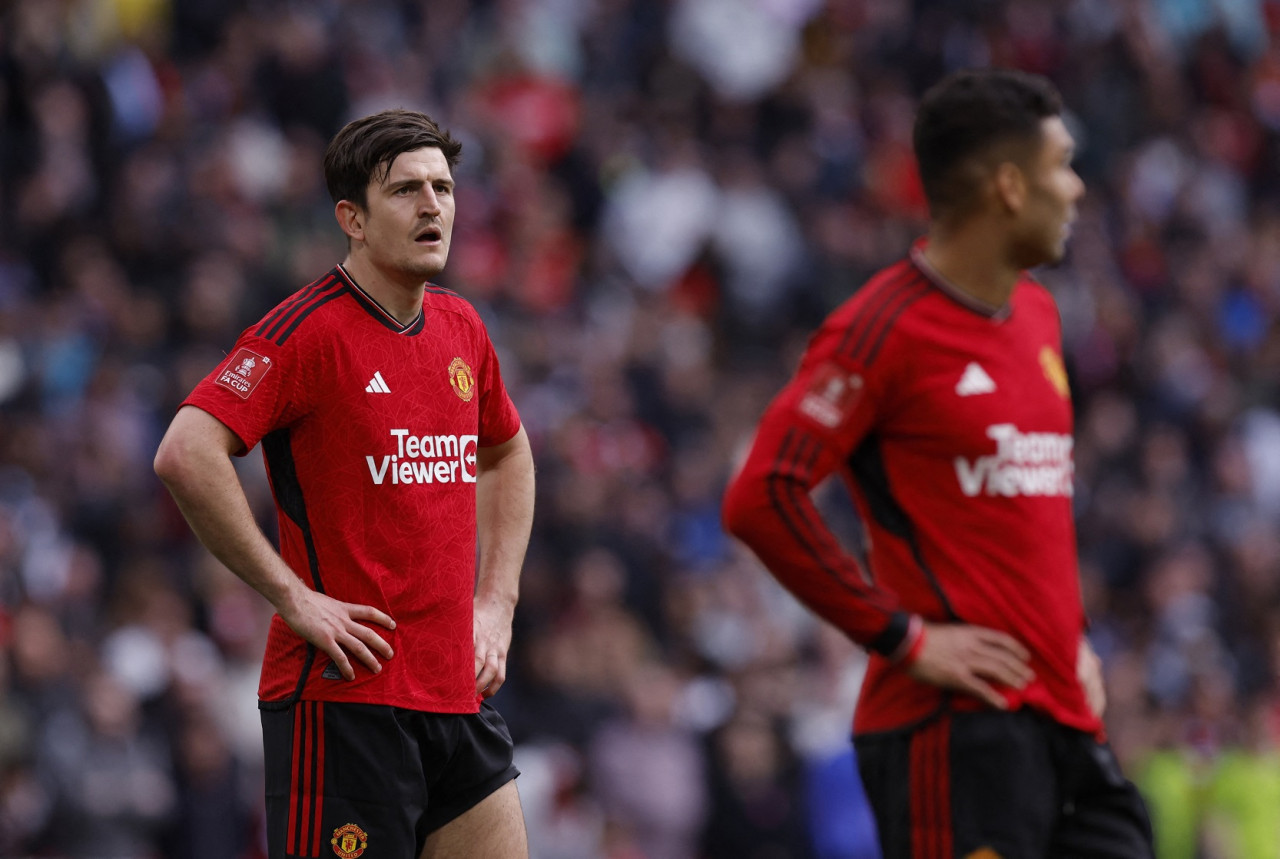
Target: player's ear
column 351, row 219
column 1010, row 185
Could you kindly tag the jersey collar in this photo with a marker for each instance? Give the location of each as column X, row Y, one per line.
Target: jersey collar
column 374, row 309
column 955, row 293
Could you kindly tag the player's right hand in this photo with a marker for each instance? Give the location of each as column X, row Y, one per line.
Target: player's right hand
column 339, row 628
column 970, row 658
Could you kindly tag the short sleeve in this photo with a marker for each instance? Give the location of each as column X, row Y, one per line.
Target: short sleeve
column 499, row 420
column 254, row 391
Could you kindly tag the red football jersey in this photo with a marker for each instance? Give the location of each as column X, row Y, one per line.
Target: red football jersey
column 370, row 432
column 951, row 424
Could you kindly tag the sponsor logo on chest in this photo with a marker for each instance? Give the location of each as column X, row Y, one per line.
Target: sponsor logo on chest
column 1030, row 463
column 419, row 459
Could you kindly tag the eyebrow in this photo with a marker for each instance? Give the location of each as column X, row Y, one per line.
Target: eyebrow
column 408, row 183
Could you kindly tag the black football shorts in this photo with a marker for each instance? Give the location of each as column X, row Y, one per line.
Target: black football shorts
column 346, row 778
column 993, row 785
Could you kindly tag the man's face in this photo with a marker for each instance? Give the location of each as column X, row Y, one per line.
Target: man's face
column 409, row 216
column 1053, row 189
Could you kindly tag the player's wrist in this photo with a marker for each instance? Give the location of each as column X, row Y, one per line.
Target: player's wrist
column 286, row 596
column 912, row 643
column 497, row 598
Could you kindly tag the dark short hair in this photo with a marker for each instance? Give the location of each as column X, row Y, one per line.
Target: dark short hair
column 967, row 115
column 365, row 149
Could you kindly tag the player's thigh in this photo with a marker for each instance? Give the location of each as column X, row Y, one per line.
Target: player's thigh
column 339, row 782
column 1104, row 816
column 962, row 784
column 1005, row 784
column 492, row 829
column 473, row 759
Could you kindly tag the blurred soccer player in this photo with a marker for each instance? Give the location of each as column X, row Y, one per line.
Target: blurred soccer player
column 938, row 393
column 390, row 441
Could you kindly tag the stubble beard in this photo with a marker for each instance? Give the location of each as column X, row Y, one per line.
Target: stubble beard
column 419, row 270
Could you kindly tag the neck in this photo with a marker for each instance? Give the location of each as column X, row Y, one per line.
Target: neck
column 973, row 261
column 399, row 297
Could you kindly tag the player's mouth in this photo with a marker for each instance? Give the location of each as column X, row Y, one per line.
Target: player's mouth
column 429, row 236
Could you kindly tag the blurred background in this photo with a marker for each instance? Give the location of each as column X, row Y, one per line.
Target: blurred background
column 657, row 202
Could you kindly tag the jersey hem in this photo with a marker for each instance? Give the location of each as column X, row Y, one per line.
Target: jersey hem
column 451, row 707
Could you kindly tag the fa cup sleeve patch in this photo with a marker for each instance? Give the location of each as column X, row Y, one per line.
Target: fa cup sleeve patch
column 832, row 395
column 243, row 372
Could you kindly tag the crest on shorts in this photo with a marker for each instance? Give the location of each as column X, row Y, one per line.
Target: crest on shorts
column 1054, row 371
column 349, row 841
column 462, row 380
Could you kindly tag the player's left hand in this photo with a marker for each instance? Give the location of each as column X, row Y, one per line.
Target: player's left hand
column 492, row 634
column 1089, row 672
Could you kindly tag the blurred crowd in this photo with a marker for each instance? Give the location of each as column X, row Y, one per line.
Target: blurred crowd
column 657, row 202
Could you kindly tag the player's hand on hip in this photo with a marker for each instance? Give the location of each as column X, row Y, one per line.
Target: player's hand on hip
column 492, row 634
column 339, row 628
column 1089, row 671
column 971, row 659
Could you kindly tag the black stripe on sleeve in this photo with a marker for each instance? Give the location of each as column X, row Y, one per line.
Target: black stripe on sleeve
column 291, row 304
column 879, row 294
column 872, row 332
column 785, row 497
column 888, row 326
column 308, row 310
column 302, row 309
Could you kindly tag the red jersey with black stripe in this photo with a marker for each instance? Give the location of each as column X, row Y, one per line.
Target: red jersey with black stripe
column 951, row 424
column 370, row 431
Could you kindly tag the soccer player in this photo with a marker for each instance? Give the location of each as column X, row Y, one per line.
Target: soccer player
column 391, row 446
column 938, row 394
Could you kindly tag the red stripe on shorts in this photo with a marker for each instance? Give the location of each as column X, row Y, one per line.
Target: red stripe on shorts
column 930, row 779
column 319, row 782
column 307, row 788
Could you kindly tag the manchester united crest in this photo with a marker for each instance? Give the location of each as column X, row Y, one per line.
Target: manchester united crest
column 349, row 841
column 462, row 380
column 1054, row 371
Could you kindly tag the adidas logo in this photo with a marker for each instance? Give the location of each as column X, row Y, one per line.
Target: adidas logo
column 974, row 380
column 378, row 385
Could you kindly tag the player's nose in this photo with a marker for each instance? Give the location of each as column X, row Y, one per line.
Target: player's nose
column 428, row 202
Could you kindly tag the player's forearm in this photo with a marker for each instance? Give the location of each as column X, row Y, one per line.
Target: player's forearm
column 203, row 481
column 504, row 518
column 770, row 510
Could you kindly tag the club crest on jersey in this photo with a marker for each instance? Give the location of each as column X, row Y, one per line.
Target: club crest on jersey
column 462, row 380
column 243, row 372
column 832, row 395
column 349, row 841
column 1054, row 371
